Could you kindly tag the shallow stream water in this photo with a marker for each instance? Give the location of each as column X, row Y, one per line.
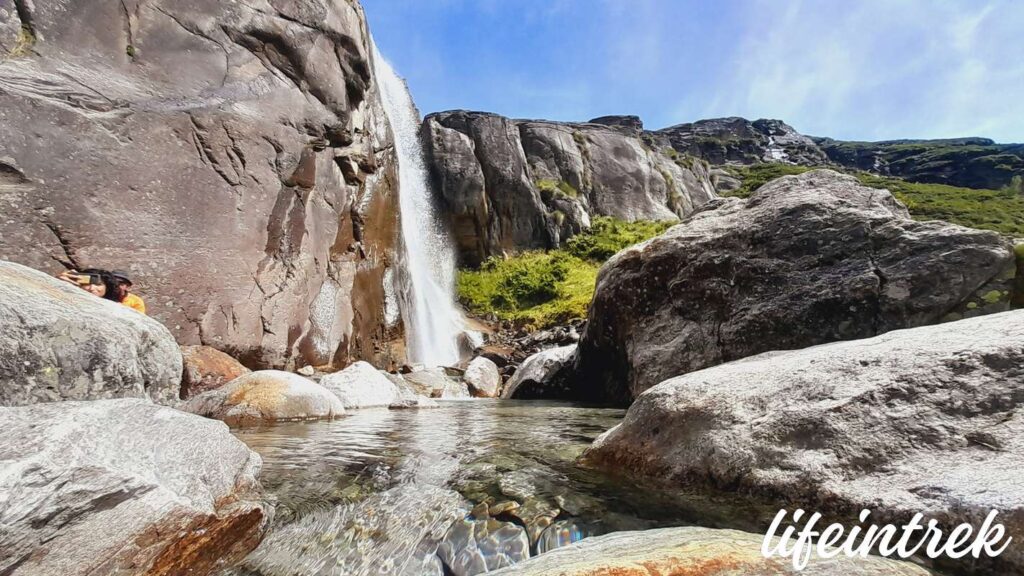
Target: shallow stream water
column 462, row 489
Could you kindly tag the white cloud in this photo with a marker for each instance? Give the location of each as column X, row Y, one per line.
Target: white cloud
column 880, row 69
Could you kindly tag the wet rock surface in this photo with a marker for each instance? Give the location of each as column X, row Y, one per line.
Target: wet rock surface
column 231, row 156
column 475, row 546
column 806, row 260
column 206, row 369
column 921, row 420
column 267, row 396
column 58, row 342
column 695, row 551
column 510, row 185
column 397, row 531
column 123, row 487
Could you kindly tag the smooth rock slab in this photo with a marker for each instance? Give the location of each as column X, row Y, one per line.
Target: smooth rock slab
column 58, row 342
column 926, row 420
column 806, row 260
column 267, row 396
column 123, row 487
column 691, row 551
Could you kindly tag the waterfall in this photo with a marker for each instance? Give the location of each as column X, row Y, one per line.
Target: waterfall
column 427, row 278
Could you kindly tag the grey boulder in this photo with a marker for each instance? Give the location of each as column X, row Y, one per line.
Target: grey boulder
column 922, row 420
column 267, row 396
column 362, row 386
column 483, row 378
column 123, row 487
column 58, row 342
column 806, row 260
column 542, row 375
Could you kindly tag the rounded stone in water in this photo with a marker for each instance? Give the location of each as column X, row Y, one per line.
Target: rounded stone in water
column 562, row 533
column 477, row 546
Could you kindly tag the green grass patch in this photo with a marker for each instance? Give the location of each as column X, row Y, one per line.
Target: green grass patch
column 556, row 188
column 540, row 289
column 608, row 236
column 757, row 175
column 998, row 210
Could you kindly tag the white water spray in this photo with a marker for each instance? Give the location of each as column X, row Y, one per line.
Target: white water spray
column 432, row 321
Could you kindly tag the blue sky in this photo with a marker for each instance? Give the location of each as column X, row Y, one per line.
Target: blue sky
column 852, row 69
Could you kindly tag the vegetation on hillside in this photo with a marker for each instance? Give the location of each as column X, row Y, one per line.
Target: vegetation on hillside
column 540, row 289
column 543, row 288
column 998, row 210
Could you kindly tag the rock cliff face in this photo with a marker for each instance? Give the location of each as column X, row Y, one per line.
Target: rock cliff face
column 518, row 184
column 967, row 162
column 740, row 141
column 806, row 260
column 233, row 156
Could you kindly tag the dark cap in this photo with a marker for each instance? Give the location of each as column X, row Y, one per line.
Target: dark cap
column 120, row 275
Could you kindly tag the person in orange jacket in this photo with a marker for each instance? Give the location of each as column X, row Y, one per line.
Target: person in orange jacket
column 123, row 294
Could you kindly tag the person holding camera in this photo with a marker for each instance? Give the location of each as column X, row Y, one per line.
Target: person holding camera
column 114, row 286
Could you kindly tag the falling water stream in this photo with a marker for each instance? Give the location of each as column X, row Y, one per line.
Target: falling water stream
column 432, row 321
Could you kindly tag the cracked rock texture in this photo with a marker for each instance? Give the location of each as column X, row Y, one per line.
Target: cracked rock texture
column 510, row 185
column 806, row 260
column 123, row 487
column 232, row 156
column 58, row 342
column 921, row 420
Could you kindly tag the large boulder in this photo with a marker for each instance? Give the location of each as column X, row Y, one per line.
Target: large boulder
column 267, row 396
column 509, row 185
column 692, row 550
column 436, row 382
column 927, row 420
column 362, row 386
column 483, row 378
column 58, row 342
column 205, row 369
column 123, row 487
column 232, row 156
column 542, row 375
column 806, row 260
